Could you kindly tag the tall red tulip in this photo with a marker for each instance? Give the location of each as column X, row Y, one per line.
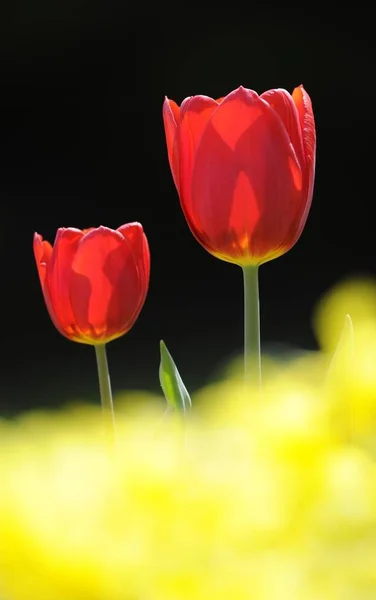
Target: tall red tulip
column 244, row 169
column 94, row 281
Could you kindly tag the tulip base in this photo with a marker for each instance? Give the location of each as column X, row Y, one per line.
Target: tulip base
column 105, row 391
column 252, row 346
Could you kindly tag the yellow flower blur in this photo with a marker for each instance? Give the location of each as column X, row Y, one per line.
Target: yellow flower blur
column 251, row 499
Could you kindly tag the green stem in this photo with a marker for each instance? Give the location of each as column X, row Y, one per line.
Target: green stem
column 105, row 390
column 252, row 349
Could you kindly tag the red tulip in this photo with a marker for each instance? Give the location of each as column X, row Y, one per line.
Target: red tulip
column 94, row 281
column 244, row 169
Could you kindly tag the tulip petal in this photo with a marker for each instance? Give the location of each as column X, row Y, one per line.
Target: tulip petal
column 58, row 275
column 283, row 104
column 246, row 180
column 307, row 122
column 42, row 253
column 171, row 112
column 104, row 285
column 195, row 113
column 134, row 234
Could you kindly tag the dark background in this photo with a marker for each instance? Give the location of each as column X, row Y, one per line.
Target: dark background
column 82, row 144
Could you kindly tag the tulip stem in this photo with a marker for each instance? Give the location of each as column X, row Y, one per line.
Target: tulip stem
column 105, row 390
column 252, row 346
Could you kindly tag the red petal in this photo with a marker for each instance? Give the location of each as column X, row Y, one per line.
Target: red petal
column 134, row 234
column 246, row 181
column 307, row 122
column 42, row 253
column 58, row 277
column 195, row 114
column 171, row 112
column 104, row 285
column 283, row 104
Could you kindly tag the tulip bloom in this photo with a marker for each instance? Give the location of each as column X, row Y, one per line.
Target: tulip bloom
column 94, row 281
column 244, row 169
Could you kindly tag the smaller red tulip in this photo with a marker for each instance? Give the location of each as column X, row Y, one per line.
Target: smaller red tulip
column 244, row 168
column 94, row 281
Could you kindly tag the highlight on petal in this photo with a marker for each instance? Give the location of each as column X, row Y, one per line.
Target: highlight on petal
column 134, row 234
column 42, row 253
column 246, row 180
column 228, row 122
column 69, row 233
column 135, row 237
column 171, row 113
column 283, row 104
column 307, row 122
column 304, row 105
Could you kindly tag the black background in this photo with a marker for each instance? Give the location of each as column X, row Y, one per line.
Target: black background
column 82, row 144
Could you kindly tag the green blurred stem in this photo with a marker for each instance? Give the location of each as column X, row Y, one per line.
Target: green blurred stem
column 252, row 348
column 105, row 389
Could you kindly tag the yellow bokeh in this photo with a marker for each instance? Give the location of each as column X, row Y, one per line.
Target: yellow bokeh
column 355, row 297
column 269, row 497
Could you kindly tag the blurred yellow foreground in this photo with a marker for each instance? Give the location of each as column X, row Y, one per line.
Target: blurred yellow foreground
column 270, row 498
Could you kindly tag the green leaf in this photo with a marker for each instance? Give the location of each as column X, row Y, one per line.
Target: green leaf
column 174, row 390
